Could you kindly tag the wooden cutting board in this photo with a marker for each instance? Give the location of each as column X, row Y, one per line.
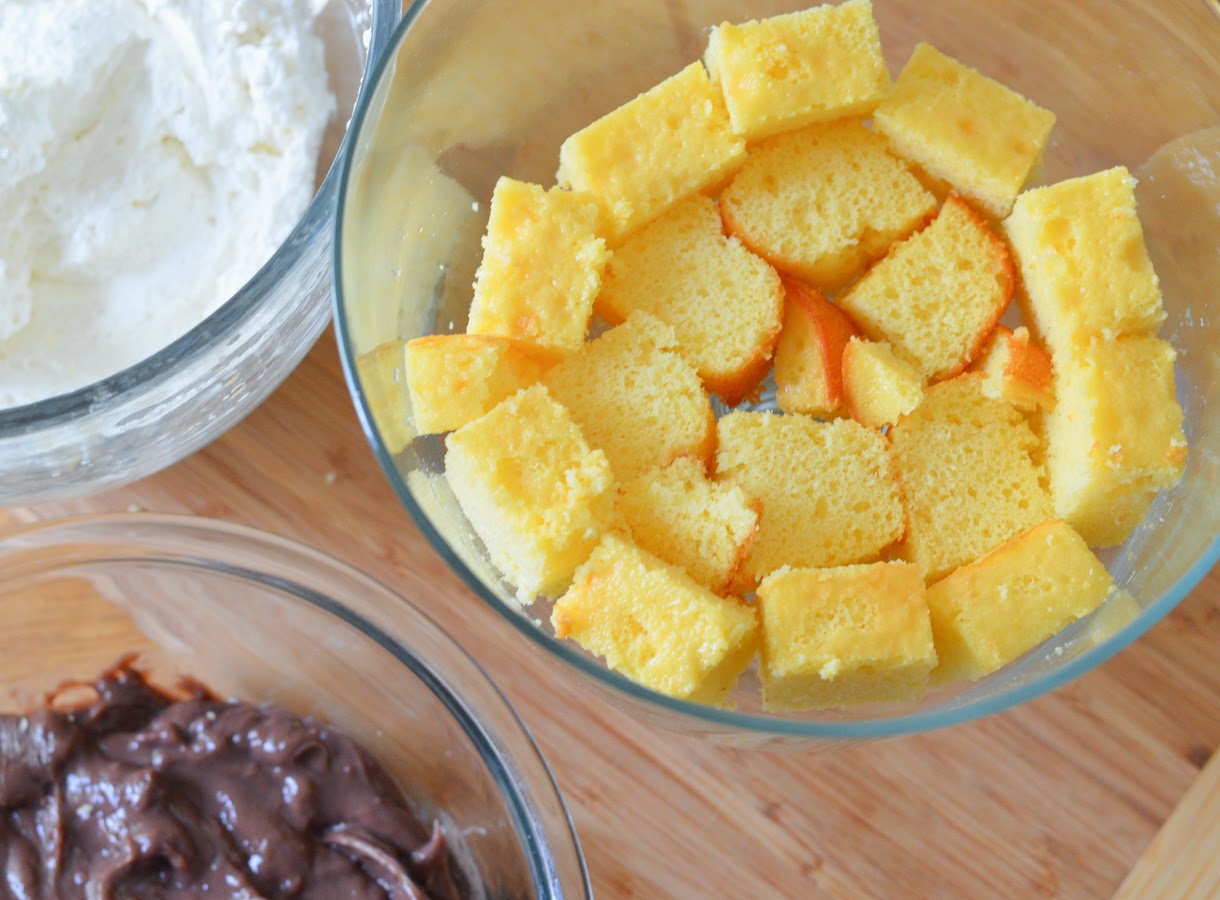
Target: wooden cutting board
column 1058, row 798
column 1184, row 859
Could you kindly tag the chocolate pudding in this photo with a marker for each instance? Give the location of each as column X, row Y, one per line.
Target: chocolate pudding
column 137, row 794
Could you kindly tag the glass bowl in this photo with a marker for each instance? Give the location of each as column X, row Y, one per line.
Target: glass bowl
column 429, row 146
column 164, row 408
column 265, row 619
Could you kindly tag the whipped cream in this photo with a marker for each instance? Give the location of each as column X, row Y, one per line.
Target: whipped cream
column 153, row 155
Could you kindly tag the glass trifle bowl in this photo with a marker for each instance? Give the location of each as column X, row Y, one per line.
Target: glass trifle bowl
column 464, row 96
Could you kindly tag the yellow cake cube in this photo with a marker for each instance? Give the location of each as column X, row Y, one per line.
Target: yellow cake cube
column 534, row 491
column 809, row 354
column 937, row 295
column 970, row 475
column 453, row 379
column 655, row 625
column 668, row 143
column 824, row 202
column 542, row 266
column 1114, row 438
column 880, row 386
column 635, row 397
column 1085, row 269
column 383, row 379
column 1016, row 369
column 844, row 636
column 991, row 611
column 789, row 71
column 964, row 128
column 674, row 268
column 829, row 490
column 680, row 515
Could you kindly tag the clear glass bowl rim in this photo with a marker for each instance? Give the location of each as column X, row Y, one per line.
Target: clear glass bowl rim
column 33, row 417
column 717, row 718
column 199, row 542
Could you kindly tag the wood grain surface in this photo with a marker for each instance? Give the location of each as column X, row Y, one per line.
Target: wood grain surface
column 1183, row 860
column 1058, row 798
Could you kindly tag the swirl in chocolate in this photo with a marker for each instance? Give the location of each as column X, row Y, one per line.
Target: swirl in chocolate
column 138, row 795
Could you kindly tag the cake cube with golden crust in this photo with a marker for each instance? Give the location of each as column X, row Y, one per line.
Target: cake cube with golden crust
column 453, row 379
column 879, row 386
column 970, row 475
column 1016, row 368
column 798, row 69
column 937, row 295
column 725, row 304
column 1114, row 437
column 670, row 142
column 829, row 490
column 989, row 612
column 654, row 624
column 1084, row 267
column 844, row 636
column 534, row 491
column 542, row 266
column 682, row 516
column 636, row 398
column 809, row 355
column 964, row 128
column 823, row 202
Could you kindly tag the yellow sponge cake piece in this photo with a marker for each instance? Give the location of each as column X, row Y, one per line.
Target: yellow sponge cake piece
column 635, row 397
column 702, row 526
column 1015, row 368
column 879, row 386
column 453, row 379
column 724, row 303
column 991, row 611
column 937, row 295
column 964, row 128
column 793, row 70
column 1084, row 267
column 828, row 489
column 969, row 476
column 1114, row 438
column 672, row 141
column 844, row 636
column 823, row 202
column 535, row 493
column 809, row 355
column 542, row 266
column 655, row 625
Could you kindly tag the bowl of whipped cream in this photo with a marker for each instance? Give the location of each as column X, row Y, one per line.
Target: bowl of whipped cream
column 165, row 221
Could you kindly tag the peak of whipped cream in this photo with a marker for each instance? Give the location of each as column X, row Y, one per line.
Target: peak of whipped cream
column 153, row 155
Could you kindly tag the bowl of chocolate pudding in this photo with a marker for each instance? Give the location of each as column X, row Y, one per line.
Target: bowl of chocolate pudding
column 202, row 709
